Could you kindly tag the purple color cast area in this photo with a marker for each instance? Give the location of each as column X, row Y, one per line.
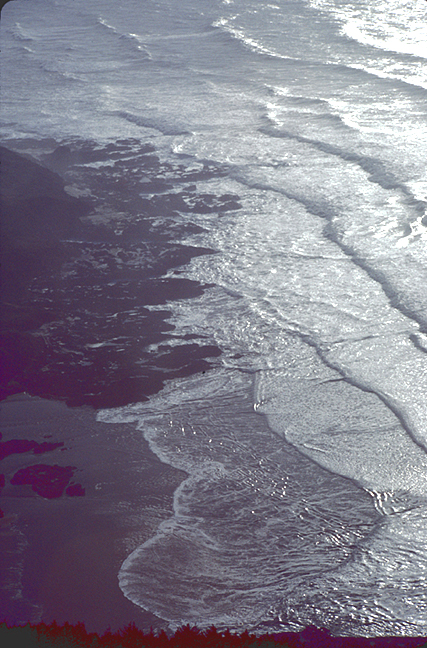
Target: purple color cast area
column 75, row 490
column 2, row 483
column 47, row 481
column 16, row 446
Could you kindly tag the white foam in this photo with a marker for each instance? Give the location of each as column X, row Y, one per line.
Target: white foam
column 392, row 27
column 251, row 43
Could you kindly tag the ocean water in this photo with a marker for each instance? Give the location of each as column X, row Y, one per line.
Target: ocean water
column 305, row 447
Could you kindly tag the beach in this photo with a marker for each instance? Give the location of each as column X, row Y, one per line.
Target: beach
column 214, row 314
column 66, row 551
column 63, row 550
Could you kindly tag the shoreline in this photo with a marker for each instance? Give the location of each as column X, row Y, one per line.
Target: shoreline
column 79, row 277
column 77, row 335
column 80, row 337
column 76, row 545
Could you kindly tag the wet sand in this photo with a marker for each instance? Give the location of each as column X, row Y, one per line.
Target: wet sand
column 78, row 279
column 80, row 276
column 63, row 554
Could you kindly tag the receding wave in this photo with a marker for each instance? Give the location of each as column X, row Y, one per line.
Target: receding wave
column 244, row 534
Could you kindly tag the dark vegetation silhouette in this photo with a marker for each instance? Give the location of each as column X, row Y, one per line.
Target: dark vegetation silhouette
column 52, row 635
